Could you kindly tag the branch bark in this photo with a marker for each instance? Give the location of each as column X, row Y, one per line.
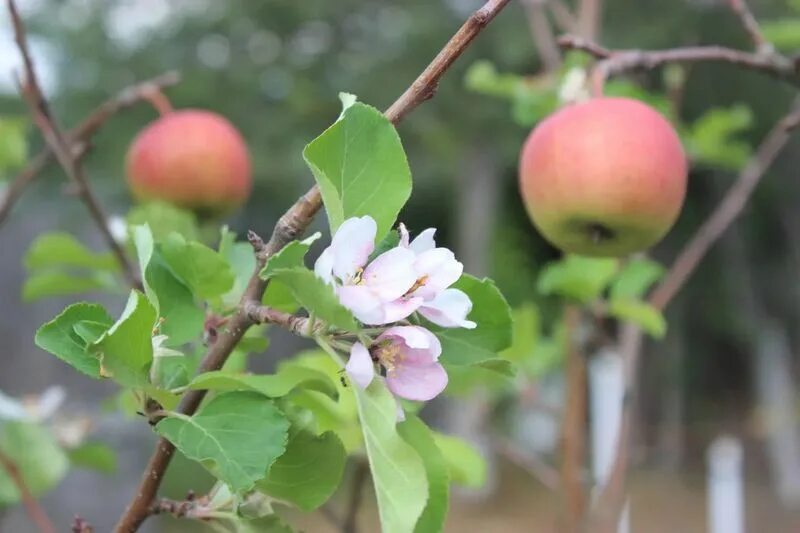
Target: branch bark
column 291, row 225
column 58, row 142
column 35, row 511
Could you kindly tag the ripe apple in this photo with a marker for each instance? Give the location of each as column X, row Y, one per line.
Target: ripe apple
column 605, row 177
column 192, row 158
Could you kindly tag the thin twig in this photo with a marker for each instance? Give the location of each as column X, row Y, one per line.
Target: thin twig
column 291, row 225
column 542, row 34
column 350, row 521
column 35, row 511
column 299, row 325
column 589, row 15
column 40, row 109
column 81, row 136
column 751, row 26
column 564, row 18
column 726, row 211
column 573, row 432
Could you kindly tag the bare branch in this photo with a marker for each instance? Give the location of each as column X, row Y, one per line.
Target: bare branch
column 40, row 109
column 80, row 137
column 542, row 34
column 35, row 511
column 589, row 15
column 563, row 16
column 751, row 26
column 291, row 225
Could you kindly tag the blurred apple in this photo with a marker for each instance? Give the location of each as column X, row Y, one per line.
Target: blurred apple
column 192, row 158
column 605, row 177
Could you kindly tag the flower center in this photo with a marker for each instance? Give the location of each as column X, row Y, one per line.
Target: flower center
column 387, row 354
column 417, row 284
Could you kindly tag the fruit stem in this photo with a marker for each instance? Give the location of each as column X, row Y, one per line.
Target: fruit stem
column 159, row 101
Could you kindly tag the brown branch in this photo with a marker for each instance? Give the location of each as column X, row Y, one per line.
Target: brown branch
column 564, row 18
column 613, row 62
column 40, row 109
column 729, row 208
column 424, row 87
column 589, row 14
column 542, row 34
column 291, row 225
column 35, row 511
column 350, row 521
column 81, row 136
column 299, row 325
column 573, row 432
column 751, row 26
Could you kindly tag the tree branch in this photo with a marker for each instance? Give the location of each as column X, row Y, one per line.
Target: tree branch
column 292, row 224
column 40, row 109
column 751, row 26
column 542, row 34
column 81, row 136
column 350, row 520
column 35, row 511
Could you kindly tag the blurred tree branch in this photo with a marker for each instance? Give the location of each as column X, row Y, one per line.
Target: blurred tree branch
column 292, row 224
column 35, row 511
column 80, row 137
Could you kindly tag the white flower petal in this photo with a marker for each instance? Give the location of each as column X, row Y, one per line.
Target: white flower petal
column 439, row 269
column 424, row 241
column 362, row 302
column 360, row 367
column 351, row 246
column 449, row 309
column 391, row 274
column 323, row 267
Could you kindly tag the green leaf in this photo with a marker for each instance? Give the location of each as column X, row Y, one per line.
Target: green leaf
column 61, row 338
column 236, row 436
column 309, row 472
column 279, row 296
column 204, row 270
column 13, row 144
column 94, row 456
column 126, row 349
column 361, row 168
column 264, row 524
column 479, row 346
column 581, row 278
column 164, row 219
column 242, row 261
column 650, row 319
column 783, row 33
column 525, row 333
column 465, row 464
column 635, row 278
column 420, row 437
column 712, row 137
column 275, row 385
column 35, row 452
column 290, row 256
column 398, row 473
column 55, row 283
column 63, row 250
column 317, row 297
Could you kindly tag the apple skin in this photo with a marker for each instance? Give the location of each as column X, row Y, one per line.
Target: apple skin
column 605, row 177
column 193, row 158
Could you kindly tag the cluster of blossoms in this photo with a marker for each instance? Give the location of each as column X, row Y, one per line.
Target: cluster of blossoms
column 413, row 277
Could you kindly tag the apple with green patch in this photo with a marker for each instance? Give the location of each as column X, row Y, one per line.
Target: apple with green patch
column 604, row 177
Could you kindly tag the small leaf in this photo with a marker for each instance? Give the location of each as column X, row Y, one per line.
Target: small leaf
column 317, row 297
column 783, row 33
column 525, row 333
column 635, row 278
column 242, row 262
column 581, row 278
column 290, row 256
column 35, row 452
column 398, row 473
column 418, row 435
column 275, row 385
column 712, row 137
column 203, row 270
column 236, row 436
column 164, row 219
column 640, row 313
column 309, row 472
column 126, row 349
column 55, row 283
column 279, row 296
column 60, row 337
column 94, row 456
column 361, row 168
column 63, row 250
column 467, row 467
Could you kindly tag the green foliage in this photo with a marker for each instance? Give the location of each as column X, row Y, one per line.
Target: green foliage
column 465, row 465
column 316, row 296
column 94, row 456
column 640, row 313
column 581, row 278
column 784, row 33
column 309, row 472
column 711, row 139
column 420, row 437
column 13, row 144
column 291, row 256
column 398, row 472
column 71, row 334
column 531, row 351
column 275, row 385
column 236, row 436
column 205, row 271
column 163, row 219
column 34, row 451
column 361, row 168
column 635, row 278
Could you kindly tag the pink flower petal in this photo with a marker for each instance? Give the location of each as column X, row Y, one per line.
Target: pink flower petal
column 420, row 383
column 323, row 267
column 449, row 309
column 351, row 246
column 391, row 274
column 424, row 241
column 411, row 336
column 399, row 309
column 360, row 367
column 362, row 302
column 439, row 269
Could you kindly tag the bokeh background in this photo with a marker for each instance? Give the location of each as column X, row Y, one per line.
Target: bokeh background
column 275, row 67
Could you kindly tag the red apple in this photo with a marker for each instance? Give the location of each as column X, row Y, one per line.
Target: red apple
column 605, row 177
column 192, row 158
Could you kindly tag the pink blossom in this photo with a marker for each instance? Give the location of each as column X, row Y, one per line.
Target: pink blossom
column 409, row 354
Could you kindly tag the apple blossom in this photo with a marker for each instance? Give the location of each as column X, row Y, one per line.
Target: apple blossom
column 410, row 356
